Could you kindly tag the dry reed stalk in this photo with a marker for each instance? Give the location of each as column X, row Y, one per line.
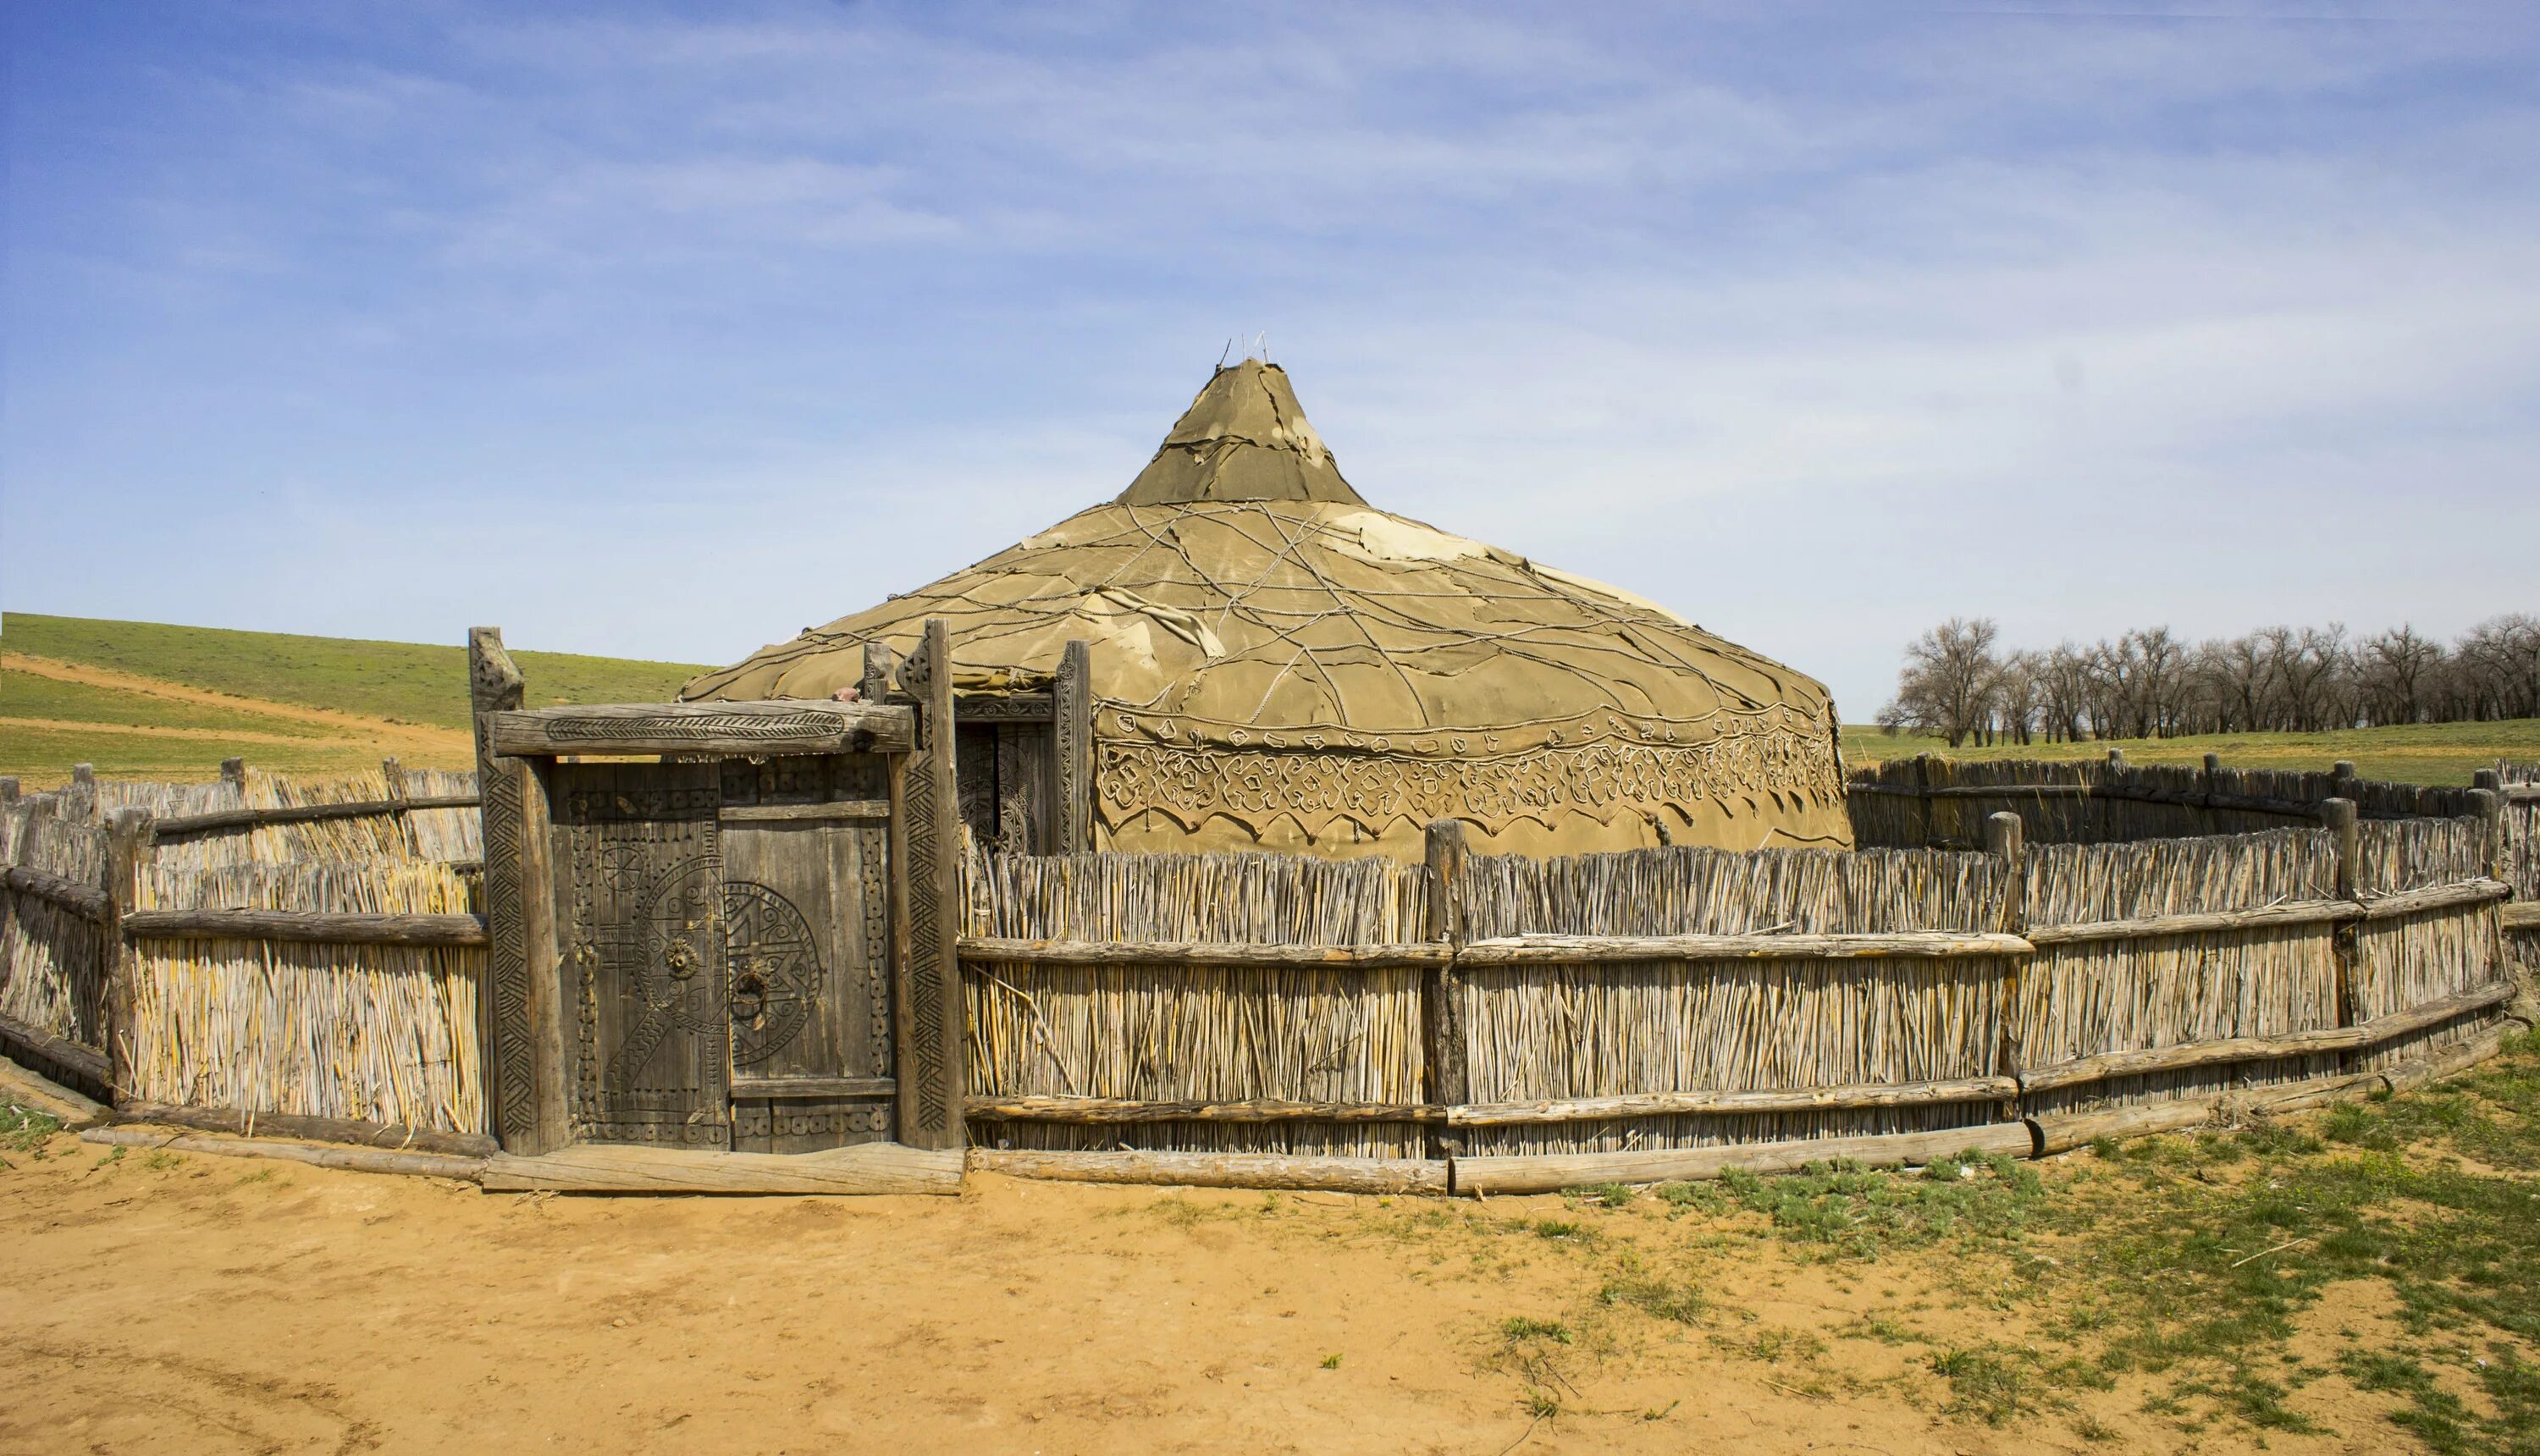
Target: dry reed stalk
column 375, row 1033
column 52, row 961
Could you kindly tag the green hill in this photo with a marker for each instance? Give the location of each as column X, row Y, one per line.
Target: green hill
column 408, row 682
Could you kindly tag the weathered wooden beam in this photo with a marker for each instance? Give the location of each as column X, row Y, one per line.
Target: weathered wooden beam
column 796, row 1088
column 2063, row 1132
column 2437, row 897
column 931, row 1080
column 1675, row 1104
column 2178, row 1058
column 305, row 813
column 1550, row 1172
column 1099, row 1110
column 2290, row 913
column 347, row 1159
column 1220, row 1169
column 2521, row 917
column 994, row 950
column 1584, row 950
column 1442, row 995
column 87, row 901
column 306, row 926
column 591, row 1167
column 128, row 836
column 809, row 726
column 843, row 811
column 314, row 1129
column 1002, row 707
column 41, row 1045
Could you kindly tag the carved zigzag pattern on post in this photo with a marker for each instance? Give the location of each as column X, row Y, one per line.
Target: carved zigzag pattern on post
column 925, row 943
column 515, row 1071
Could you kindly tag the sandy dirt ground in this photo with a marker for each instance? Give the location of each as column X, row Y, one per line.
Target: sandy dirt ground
column 165, row 1301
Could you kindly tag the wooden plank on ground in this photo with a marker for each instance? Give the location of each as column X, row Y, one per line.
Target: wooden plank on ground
column 1219, row 1170
column 1551, row 1172
column 867, row 1169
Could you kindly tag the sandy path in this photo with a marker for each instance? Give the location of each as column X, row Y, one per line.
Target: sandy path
column 176, row 1302
column 357, row 726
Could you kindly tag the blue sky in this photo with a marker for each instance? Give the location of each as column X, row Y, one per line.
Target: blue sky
column 666, row 331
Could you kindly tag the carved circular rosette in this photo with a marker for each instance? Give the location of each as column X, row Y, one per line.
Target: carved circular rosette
column 775, row 969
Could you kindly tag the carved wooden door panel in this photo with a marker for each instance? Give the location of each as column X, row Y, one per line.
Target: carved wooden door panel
column 641, row 945
column 805, row 899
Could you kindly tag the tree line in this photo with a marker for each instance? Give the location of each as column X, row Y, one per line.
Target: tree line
column 1961, row 682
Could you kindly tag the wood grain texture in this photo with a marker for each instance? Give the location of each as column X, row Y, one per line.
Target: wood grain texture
column 87, row 901
column 1056, row 1109
column 2437, row 897
column 1584, row 949
column 305, row 813
column 1071, row 751
column 2264, row 1048
column 843, row 811
column 347, row 1159
column 1220, row 1170
column 783, row 1088
column 789, row 726
column 2524, row 917
column 26, row 1043
column 2291, row 913
column 306, row 926
column 991, row 950
column 868, row 1168
column 1552, row 1172
column 308, row 1129
column 1671, row 1104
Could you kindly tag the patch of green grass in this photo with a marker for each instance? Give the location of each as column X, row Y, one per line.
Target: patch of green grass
column 410, row 683
column 1990, row 1383
column 25, row 1130
column 1676, row 1299
column 1603, row 1194
column 1518, row 1327
column 1559, row 1228
column 1332, row 1362
column 1856, row 1213
column 2411, row 753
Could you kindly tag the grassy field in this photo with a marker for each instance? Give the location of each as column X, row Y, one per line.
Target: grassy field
column 2420, row 753
column 144, row 700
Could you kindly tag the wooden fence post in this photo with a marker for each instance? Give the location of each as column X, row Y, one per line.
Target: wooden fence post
column 2004, row 839
column 2338, row 814
column 84, row 776
column 1923, row 795
column 522, row 1049
column 8, row 791
column 2213, row 773
column 1441, row 1011
column 1071, row 747
column 128, row 836
column 934, row 1012
column 234, row 773
column 2342, row 779
column 2489, row 804
column 875, row 686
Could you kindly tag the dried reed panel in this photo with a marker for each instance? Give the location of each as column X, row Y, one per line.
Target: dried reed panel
column 2087, row 999
column 2413, row 959
column 166, row 801
column 1255, row 899
column 443, row 834
column 52, row 962
column 375, row 1033
column 1179, row 1032
column 2417, row 853
column 377, row 838
column 1545, row 1032
column 1709, row 891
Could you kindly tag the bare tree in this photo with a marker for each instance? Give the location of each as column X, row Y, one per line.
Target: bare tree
column 1948, row 683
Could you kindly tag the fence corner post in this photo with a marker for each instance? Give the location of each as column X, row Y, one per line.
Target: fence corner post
column 128, row 836
column 2488, row 802
column 2006, row 839
column 234, row 773
column 1441, row 1014
column 2338, row 815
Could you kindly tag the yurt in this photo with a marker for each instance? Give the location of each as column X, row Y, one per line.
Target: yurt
column 1273, row 663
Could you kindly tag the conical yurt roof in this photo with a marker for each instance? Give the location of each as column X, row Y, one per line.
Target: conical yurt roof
column 1240, row 595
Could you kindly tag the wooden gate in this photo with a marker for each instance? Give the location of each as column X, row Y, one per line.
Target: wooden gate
column 696, row 935
column 721, row 930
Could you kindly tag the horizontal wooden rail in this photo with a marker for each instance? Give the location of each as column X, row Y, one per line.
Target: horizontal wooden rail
column 89, row 1062
column 1581, row 949
column 989, row 949
column 87, row 901
column 304, row 813
column 1221, row 1169
column 318, row 1129
column 1548, row 1173
column 1124, row 1110
column 2439, row 897
column 304, row 926
column 1670, row 1104
column 2523, row 916
column 2291, row 913
column 2263, row 1048
column 2188, row 798
column 845, row 811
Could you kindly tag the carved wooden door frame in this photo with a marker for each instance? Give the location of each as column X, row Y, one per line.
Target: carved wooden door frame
column 522, row 1029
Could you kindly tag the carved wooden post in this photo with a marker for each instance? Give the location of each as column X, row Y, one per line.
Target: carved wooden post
column 2338, row 814
column 2004, row 839
column 1441, row 1010
column 1071, row 747
column 932, row 1077
column 875, row 686
column 520, row 1038
column 128, row 836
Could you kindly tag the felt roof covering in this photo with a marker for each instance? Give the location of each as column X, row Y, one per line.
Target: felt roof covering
column 1241, row 595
